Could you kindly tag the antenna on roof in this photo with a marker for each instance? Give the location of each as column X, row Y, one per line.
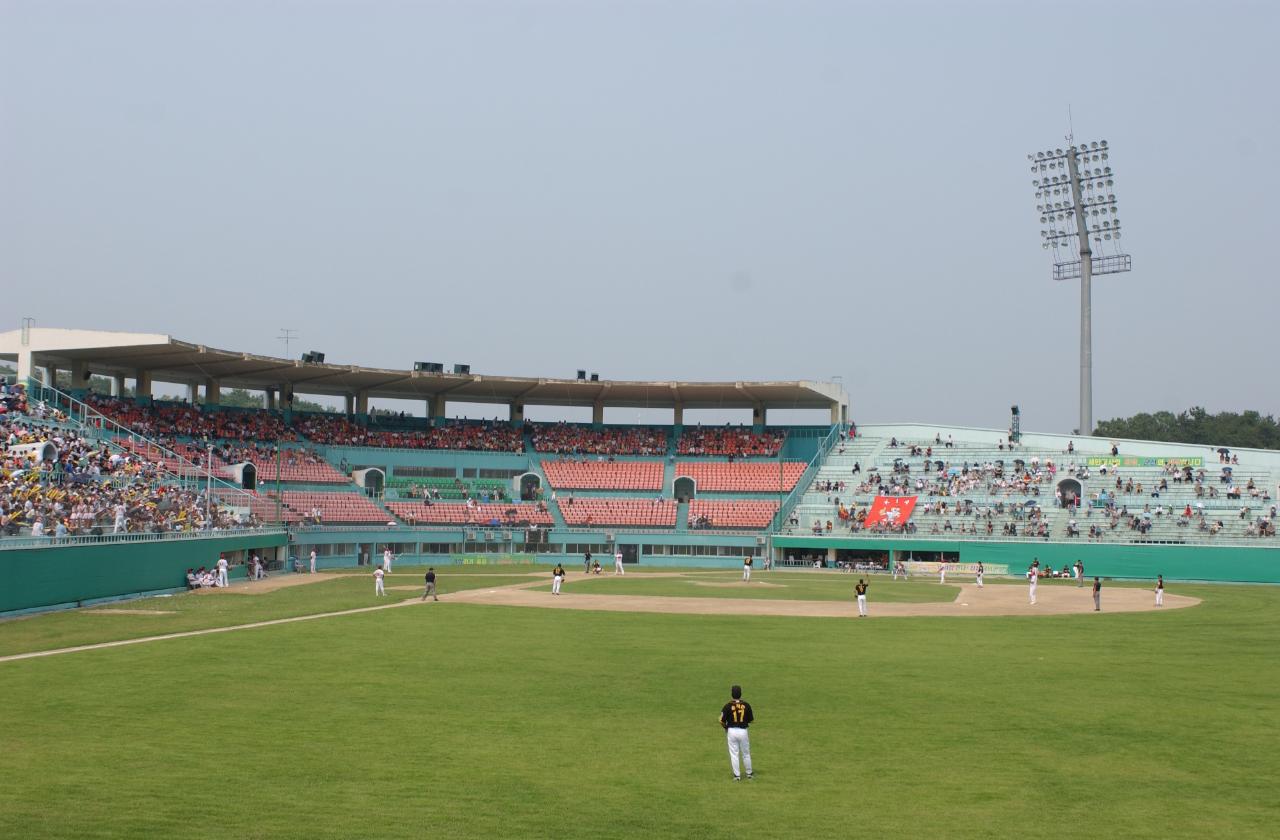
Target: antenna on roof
column 286, row 335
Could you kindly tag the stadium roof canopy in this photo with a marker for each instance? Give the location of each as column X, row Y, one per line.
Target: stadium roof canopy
column 166, row 359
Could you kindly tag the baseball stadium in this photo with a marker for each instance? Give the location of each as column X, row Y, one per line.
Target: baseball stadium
column 597, row 588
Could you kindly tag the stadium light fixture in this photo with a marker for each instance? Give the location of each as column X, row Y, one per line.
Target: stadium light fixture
column 1076, row 203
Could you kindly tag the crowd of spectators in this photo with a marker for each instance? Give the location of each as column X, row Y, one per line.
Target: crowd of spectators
column 573, row 439
column 13, row 399
column 168, row 420
column 89, row 488
column 729, row 441
column 474, row 436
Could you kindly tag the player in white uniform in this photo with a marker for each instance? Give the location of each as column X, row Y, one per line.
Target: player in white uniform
column 377, row 582
column 900, row 569
column 313, row 561
column 222, row 570
column 746, row 569
column 1033, row 578
column 1159, row 590
column 942, row 573
column 979, row 575
column 617, row 564
column 387, row 557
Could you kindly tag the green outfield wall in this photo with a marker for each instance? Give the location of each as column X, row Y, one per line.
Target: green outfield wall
column 1241, row 564
column 54, row 576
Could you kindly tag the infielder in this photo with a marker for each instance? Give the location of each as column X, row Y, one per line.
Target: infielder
column 387, row 557
column 979, row 575
column 1159, row 590
column 1033, row 578
column 1079, row 574
column 222, row 570
column 861, row 591
column 431, row 585
column 942, row 573
column 617, row 564
column 746, row 569
column 735, row 717
column 900, row 569
column 1097, row 595
column 557, row 575
column 313, row 561
column 377, row 582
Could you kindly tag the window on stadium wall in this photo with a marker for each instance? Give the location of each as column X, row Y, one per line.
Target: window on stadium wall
column 426, row 472
column 442, row 548
column 488, row 473
column 583, row 548
column 702, row 550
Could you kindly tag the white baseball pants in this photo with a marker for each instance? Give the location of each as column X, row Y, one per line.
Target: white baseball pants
column 862, row 605
column 739, row 743
column 555, row 584
column 1159, row 597
column 746, row 573
column 377, row 588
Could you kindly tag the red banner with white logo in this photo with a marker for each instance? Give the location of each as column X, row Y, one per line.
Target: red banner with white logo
column 891, row 510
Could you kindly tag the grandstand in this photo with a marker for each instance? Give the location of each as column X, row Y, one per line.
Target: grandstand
column 445, row 489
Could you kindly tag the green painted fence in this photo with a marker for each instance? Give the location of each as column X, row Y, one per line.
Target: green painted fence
column 60, row 575
column 1176, row 562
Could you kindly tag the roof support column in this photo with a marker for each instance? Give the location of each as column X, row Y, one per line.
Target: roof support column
column 835, row 413
column 597, row 413
column 517, row 411
column 362, row 402
column 759, row 417
column 117, row 385
column 677, row 415
column 142, row 385
column 439, row 407
column 212, row 391
column 26, row 366
column 269, row 397
column 350, row 404
column 193, row 393
column 50, row 375
column 79, row 378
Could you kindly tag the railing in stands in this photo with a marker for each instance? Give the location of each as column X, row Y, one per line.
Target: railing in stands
column 9, row 543
column 802, row 484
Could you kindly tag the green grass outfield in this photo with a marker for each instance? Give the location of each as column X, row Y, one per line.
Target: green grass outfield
column 457, row 720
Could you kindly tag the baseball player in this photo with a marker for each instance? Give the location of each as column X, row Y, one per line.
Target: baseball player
column 746, row 569
column 1097, row 595
column 978, row 575
column 942, row 572
column 387, row 557
column 735, row 717
column 222, row 570
column 900, row 568
column 313, row 561
column 1159, row 590
column 431, row 585
column 1079, row 569
column 1033, row 578
column 861, row 591
column 377, row 581
column 586, row 562
column 557, row 575
column 617, row 563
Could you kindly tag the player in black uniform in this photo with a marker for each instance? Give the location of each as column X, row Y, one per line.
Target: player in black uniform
column 735, row 717
column 431, row 585
column 861, row 591
column 557, row 575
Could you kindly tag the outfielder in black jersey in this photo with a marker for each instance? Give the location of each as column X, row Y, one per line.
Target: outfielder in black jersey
column 735, row 717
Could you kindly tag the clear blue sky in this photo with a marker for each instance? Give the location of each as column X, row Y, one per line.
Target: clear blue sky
column 662, row 190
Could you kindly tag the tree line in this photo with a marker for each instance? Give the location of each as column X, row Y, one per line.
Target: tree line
column 1249, row 429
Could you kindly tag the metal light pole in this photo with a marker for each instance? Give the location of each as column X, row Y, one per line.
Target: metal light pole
column 1081, row 197
column 208, row 492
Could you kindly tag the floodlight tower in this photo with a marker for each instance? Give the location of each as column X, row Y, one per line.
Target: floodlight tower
column 1079, row 197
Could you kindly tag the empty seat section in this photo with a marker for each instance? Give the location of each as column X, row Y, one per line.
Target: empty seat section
column 620, row 512
column 743, row 477
column 604, row 475
column 335, row 507
column 714, row 513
